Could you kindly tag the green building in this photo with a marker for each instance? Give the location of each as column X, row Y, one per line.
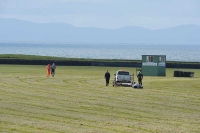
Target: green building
column 154, row 65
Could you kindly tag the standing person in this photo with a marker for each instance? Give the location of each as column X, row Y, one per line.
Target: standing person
column 53, row 67
column 48, row 68
column 107, row 77
column 140, row 77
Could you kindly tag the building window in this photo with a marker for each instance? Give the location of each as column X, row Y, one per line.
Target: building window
column 161, row 59
column 149, row 58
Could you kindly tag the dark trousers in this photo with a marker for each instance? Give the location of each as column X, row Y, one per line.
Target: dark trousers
column 107, row 82
column 140, row 81
column 52, row 72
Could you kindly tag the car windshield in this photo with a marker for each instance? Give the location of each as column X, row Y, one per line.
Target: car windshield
column 123, row 73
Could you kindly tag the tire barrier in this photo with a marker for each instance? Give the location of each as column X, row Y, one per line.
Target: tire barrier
column 192, row 65
column 183, row 74
column 180, row 73
column 176, row 73
column 70, row 63
column 190, row 74
column 119, row 63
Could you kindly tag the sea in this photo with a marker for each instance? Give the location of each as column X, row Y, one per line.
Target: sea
column 126, row 51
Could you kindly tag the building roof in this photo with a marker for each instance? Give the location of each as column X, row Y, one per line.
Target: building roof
column 153, row 55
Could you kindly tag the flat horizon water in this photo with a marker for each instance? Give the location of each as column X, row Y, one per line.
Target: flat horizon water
column 126, row 51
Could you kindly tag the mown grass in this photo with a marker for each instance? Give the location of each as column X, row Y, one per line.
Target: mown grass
column 76, row 100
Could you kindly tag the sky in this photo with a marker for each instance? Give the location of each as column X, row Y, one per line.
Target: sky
column 109, row 14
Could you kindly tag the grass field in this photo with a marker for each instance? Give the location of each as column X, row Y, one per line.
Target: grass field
column 76, row 100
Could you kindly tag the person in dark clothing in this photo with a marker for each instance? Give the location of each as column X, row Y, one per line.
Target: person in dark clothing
column 107, row 77
column 140, row 77
column 53, row 67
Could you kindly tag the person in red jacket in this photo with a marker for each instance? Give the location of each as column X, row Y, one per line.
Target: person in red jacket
column 48, row 68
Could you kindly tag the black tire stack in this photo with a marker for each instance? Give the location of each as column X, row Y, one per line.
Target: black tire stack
column 176, row 73
column 183, row 74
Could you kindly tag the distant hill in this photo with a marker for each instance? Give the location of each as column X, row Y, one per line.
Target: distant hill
column 19, row 30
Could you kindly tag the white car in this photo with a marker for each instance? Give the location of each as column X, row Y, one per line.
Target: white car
column 122, row 77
